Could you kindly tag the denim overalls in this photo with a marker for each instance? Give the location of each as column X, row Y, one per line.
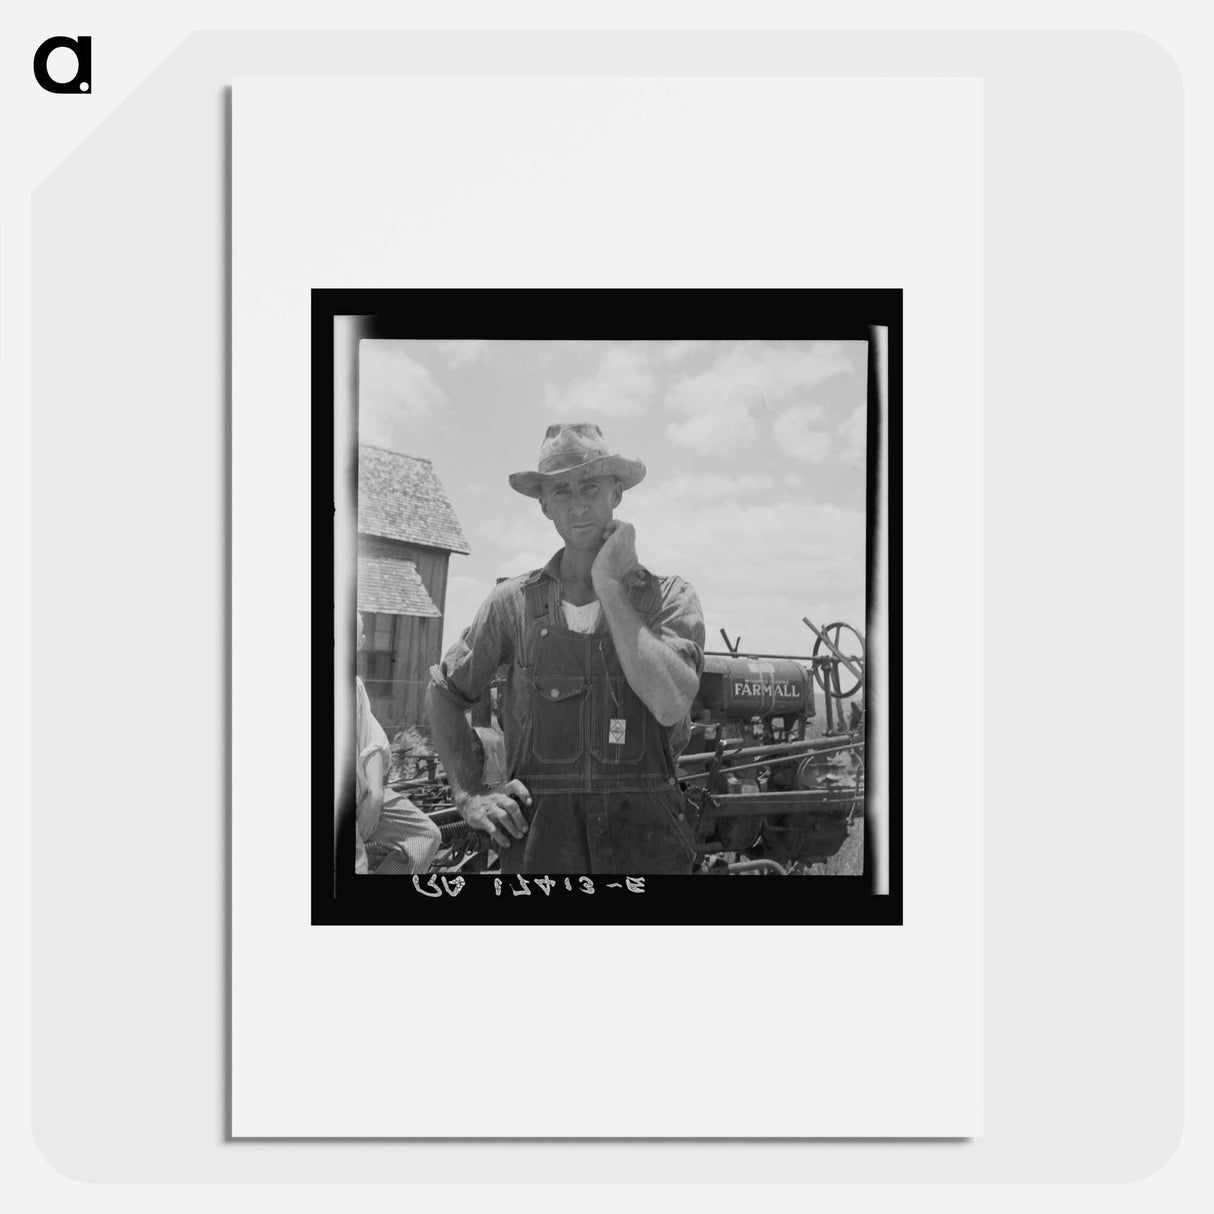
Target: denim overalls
column 605, row 797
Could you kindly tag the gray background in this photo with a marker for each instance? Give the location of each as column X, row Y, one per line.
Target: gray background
column 1082, row 560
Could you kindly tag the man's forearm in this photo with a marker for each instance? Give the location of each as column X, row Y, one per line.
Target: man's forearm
column 368, row 810
column 454, row 741
column 655, row 672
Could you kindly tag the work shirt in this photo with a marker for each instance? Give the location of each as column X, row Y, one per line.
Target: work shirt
column 599, row 766
column 370, row 740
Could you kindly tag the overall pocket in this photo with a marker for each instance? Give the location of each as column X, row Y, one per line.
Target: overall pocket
column 675, row 809
column 618, row 722
column 558, row 706
column 647, row 836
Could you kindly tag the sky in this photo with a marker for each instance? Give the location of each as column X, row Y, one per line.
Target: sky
column 754, row 452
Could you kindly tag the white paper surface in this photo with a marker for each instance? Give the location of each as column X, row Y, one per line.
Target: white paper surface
column 605, row 182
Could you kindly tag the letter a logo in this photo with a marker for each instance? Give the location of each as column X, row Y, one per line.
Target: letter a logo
column 82, row 81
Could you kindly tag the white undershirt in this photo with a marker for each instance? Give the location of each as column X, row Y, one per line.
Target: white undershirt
column 581, row 619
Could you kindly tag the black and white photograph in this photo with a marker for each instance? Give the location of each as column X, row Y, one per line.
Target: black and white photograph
column 611, row 616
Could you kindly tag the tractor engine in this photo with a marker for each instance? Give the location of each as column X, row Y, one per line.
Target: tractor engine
column 752, row 702
column 737, row 689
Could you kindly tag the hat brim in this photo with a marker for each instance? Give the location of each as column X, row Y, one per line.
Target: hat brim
column 628, row 472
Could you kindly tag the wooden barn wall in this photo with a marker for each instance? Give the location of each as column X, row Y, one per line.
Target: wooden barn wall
column 418, row 639
column 417, row 649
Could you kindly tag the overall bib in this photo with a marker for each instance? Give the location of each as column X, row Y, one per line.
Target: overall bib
column 605, row 797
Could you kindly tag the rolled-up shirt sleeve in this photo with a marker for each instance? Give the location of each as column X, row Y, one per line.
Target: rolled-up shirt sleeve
column 468, row 667
column 679, row 622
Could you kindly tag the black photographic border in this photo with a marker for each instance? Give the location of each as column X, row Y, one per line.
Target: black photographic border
column 339, row 897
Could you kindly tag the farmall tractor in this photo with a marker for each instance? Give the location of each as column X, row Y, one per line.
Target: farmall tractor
column 771, row 784
column 773, row 787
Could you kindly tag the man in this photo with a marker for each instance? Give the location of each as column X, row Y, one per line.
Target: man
column 382, row 815
column 603, row 659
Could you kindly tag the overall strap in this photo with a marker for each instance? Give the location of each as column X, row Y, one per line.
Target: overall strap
column 542, row 606
column 538, row 600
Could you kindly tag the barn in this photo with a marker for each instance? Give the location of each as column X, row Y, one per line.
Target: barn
column 407, row 531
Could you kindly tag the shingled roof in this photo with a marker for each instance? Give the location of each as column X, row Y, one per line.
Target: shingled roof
column 400, row 498
column 393, row 586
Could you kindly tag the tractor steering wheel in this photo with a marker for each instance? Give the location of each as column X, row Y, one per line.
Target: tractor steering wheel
column 833, row 633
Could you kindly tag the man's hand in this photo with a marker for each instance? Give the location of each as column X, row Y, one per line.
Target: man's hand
column 497, row 811
column 618, row 556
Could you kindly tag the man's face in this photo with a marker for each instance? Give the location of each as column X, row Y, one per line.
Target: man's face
column 581, row 508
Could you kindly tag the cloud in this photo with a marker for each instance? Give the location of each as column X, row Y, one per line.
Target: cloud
column 519, row 524
column 799, row 433
column 694, row 488
column 753, row 382
column 464, row 595
column 624, row 385
column 523, row 560
column 853, row 431
column 519, row 538
column 397, row 396
column 714, row 430
column 760, row 553
column 457, row 354
column 671, row 352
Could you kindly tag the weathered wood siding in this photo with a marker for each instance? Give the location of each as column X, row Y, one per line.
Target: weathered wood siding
column 418, row 639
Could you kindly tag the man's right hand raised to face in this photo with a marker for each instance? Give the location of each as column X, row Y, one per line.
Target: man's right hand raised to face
column 497, row 812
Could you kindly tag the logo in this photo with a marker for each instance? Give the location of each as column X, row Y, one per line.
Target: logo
column 82, row 81
column 784, row 689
